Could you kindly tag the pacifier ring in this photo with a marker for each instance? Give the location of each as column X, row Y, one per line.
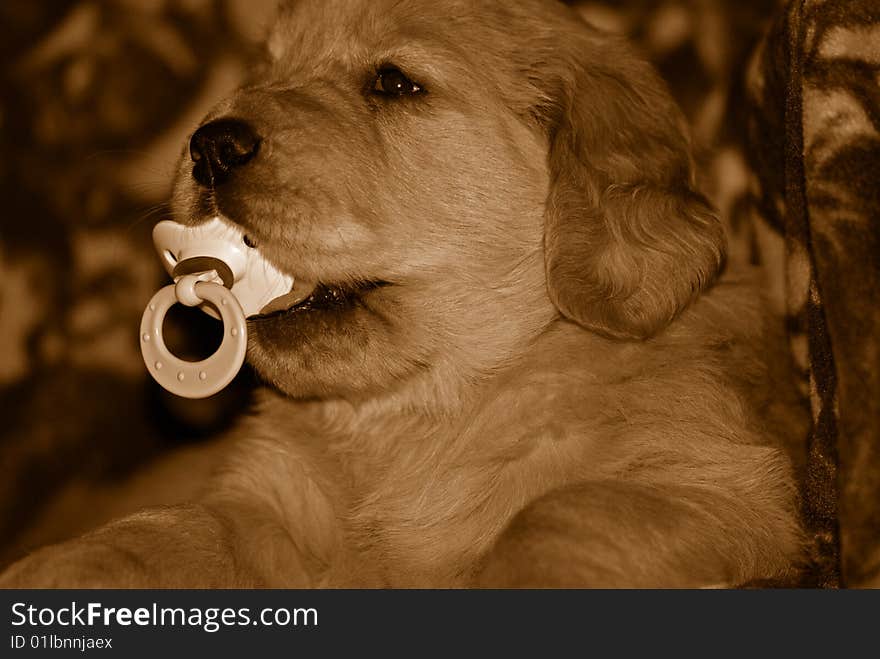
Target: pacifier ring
column 194, row 379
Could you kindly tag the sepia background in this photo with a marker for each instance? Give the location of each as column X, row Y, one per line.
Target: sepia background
column 97, row 98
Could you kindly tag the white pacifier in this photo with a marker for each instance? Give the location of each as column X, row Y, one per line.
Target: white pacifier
column 215, row 269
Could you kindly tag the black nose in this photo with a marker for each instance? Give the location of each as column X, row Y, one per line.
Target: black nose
column 219, row 147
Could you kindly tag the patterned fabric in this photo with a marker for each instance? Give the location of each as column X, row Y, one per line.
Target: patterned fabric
column 816, row 146
column 96, row 100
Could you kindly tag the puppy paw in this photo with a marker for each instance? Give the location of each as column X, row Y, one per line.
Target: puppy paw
column 76, row 564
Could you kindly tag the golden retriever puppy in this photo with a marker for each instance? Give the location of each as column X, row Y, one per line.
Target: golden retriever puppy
column 513, row 368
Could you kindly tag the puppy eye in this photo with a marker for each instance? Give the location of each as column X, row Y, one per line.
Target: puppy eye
column 392, row 82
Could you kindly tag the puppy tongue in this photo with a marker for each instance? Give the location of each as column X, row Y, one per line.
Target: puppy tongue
column 300, row 291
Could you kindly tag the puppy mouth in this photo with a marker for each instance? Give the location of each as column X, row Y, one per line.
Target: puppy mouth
column 306, row 297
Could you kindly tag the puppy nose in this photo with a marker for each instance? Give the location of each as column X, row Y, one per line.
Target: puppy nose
column 221, row 146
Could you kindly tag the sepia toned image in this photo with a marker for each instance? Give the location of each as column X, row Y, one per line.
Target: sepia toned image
column 373, row 294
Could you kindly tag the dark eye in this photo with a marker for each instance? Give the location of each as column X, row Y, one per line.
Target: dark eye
column 392, row 82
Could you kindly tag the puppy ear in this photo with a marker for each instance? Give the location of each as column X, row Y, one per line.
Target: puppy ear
column 628, row 242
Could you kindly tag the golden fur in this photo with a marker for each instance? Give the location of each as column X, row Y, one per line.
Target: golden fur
column 551, row 392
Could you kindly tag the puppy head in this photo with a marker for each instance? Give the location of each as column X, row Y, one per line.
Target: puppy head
column 453, row 175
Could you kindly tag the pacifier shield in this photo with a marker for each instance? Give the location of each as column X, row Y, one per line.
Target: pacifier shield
column 221, row 246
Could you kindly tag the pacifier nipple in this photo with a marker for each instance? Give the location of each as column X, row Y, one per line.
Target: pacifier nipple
column 216, row 269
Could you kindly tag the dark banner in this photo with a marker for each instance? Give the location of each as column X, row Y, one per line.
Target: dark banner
column 288, row 623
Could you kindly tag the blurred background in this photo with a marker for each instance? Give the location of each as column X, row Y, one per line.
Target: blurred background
column 97, row 99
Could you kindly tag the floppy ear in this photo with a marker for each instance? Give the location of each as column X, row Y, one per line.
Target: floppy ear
column 628, row 242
